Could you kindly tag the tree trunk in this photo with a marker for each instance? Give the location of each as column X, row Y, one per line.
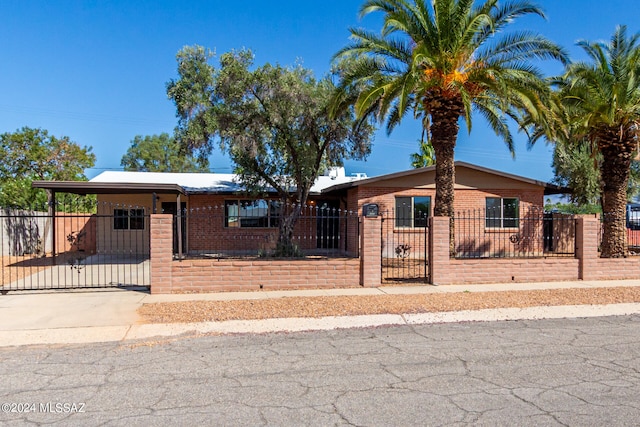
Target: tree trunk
column 615, row 167
column 444, row 133
column 285, row 247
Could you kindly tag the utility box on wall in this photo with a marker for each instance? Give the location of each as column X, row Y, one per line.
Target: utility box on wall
column 371, row 210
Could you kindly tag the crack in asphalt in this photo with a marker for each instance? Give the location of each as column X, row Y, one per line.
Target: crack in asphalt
column 559, row 371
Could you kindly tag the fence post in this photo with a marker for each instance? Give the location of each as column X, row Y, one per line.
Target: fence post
column 587, row 245
column 161, row 252
column 371, row 252
column 439, row 249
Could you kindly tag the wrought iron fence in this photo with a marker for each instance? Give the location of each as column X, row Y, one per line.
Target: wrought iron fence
column 497, row 232
column 631, row 226
column 242, row 228
column 99, row 245
column 405, row 246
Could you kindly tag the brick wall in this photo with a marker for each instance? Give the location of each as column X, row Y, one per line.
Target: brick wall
column 370, row 252
column 161, row 256
column 592, row 266
column 210, row 275
column 244, row 275
column 586, row 265
column 169, row 276
column 501, row 270
column 73, row 225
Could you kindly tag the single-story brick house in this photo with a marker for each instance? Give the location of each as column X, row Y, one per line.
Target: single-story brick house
column 218, row 217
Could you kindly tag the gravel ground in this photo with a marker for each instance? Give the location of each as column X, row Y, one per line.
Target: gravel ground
column 207, row 311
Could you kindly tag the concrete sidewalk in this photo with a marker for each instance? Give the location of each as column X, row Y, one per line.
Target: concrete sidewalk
column 65, row 317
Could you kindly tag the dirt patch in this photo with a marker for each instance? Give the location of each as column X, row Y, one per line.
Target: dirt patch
column 207, row 311
column 18, row 267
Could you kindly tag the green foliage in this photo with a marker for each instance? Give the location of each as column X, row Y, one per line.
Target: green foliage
column 18, row 193
column 426, row 156
column 32, row 154
column 273, row 121
column 160, row 153
column 192, row 94
column 35, row 154
column 576, row 167
column 633, row 189
column 603, row 92
column 572, row 208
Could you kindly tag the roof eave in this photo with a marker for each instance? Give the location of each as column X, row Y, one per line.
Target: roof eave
column 549, row 188
column 88, row 187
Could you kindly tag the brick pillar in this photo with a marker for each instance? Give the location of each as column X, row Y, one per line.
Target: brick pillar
column 161, row 232
column 439, row 270
column 371, row 252
column 587, row 246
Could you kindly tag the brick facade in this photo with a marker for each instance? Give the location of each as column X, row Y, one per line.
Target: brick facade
column 207, row 231
column 465, row 199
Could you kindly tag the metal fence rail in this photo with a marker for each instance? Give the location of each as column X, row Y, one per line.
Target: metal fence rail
column 532, row 233
column 405, row 248
column 251, row 228
column 62, row 250
column 632, row 229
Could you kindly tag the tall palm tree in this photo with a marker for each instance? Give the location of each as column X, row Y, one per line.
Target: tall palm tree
column 601, row 100
column 425, row 157
column 441, row 59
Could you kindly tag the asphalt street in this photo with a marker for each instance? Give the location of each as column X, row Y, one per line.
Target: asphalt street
column 529, row 372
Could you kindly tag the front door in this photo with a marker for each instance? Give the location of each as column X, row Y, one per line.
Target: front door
column 171, row 208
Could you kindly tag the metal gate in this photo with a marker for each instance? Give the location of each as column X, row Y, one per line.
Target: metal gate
column 63, row 250
column 405, row 250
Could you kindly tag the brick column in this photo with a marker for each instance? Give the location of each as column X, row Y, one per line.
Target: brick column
column 587, row 246
column 371, row 252
column 439, row 270
column 161, row 232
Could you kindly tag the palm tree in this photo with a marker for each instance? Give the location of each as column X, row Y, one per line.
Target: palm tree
column 441, row 59
column 425, row 157
column 601, row 100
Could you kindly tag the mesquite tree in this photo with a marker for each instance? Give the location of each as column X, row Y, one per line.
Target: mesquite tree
column 273, row 121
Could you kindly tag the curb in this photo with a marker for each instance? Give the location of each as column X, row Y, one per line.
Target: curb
column 86, row 335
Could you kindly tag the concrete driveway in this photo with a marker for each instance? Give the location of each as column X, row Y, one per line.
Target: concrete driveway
column 69, row 309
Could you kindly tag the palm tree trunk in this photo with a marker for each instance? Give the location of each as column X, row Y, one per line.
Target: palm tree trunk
column 444, row 133
column 615, row 176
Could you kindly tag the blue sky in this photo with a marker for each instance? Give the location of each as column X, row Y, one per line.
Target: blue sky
column 96, row 70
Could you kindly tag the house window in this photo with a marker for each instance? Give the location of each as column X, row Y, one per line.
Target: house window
column 252, row 213
column 128, row 219
column 412, row 211
column 502, row 212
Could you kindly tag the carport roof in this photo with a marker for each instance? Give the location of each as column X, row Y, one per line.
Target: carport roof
column 88, row 187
